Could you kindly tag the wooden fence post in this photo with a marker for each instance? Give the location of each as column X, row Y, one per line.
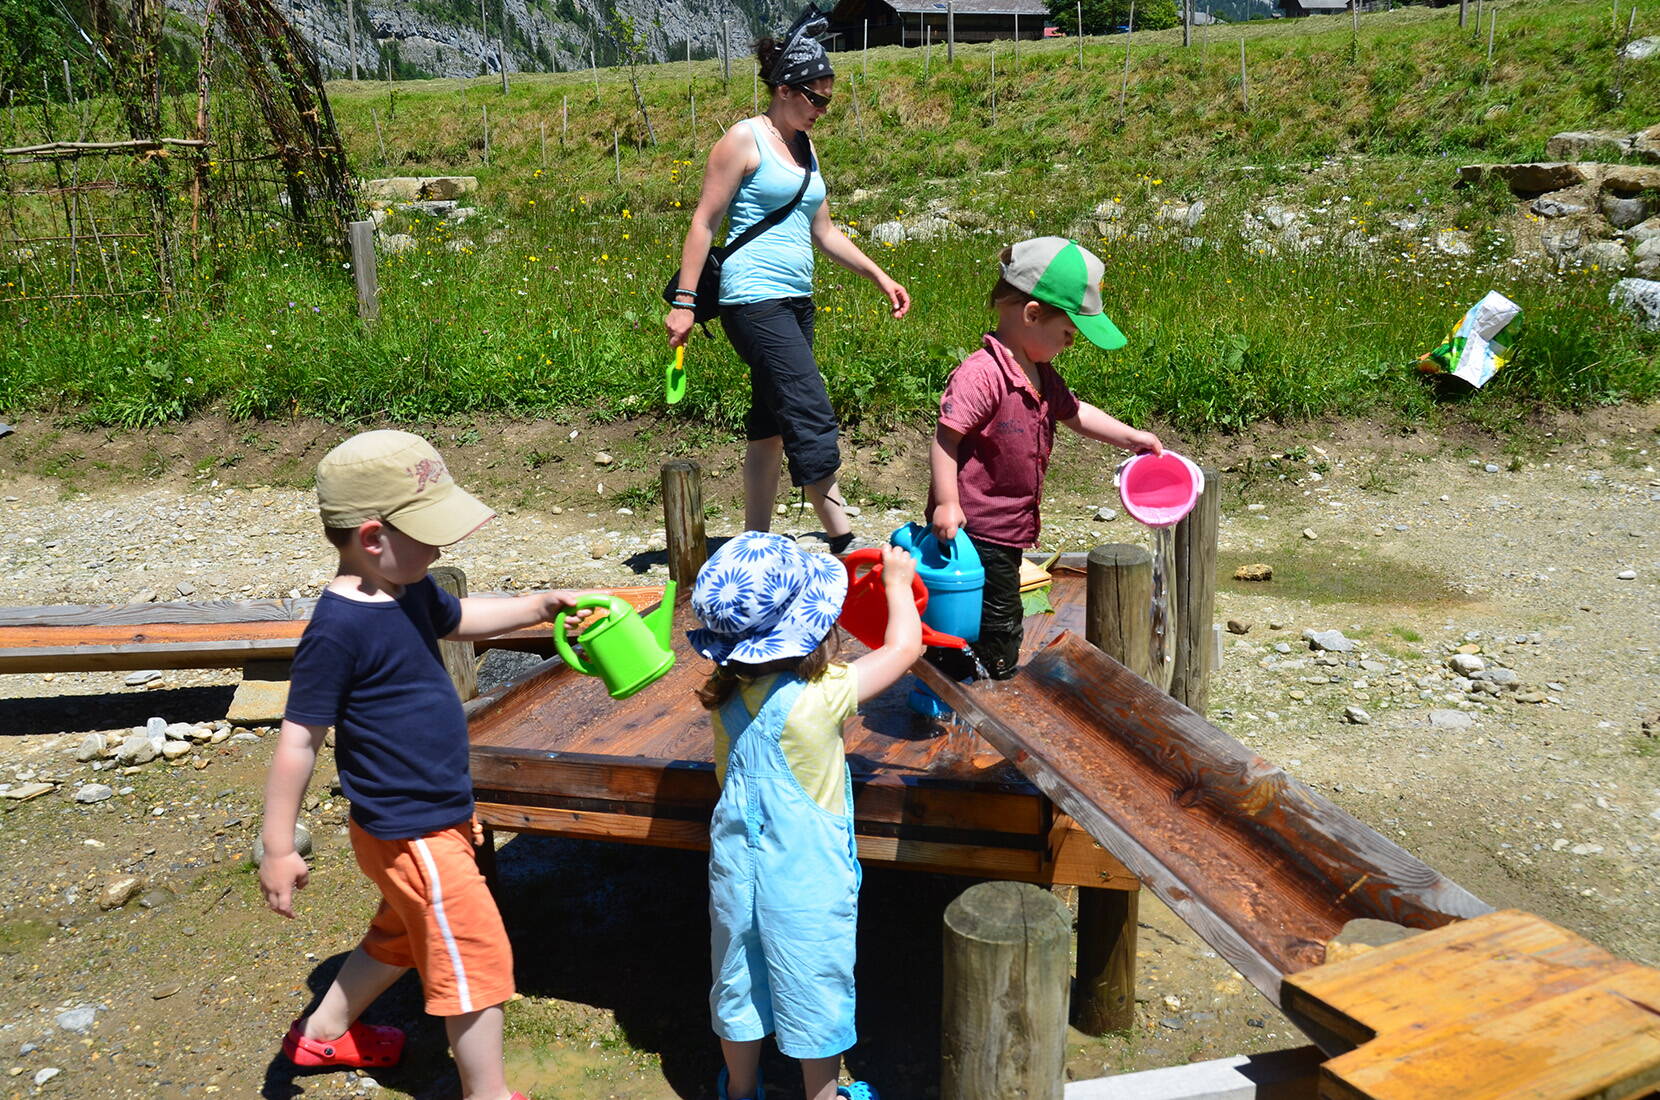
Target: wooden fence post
column 1244, row 80
column 1195, row 592
column 950, row 32
column 1003, row 1021
column 363, row 269
column 459, row 659
column 683, row 522
column 1116, row 621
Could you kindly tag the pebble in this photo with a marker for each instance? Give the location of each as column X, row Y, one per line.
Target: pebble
column 90, row 748
column 79, row 1019
column 1256, row 571
column 144, row 595
column 93, row 792
column 119, row 891
column 1466, row 664
column 172, row 750
column 1626, row 575
column 186, row 588
column 45, row 1075
column 1310, row 534
column 1237, row 627
column 1173, row 1023
column 1450, row 719
column 1585, row 849
column 1490, row 468
column 139, row 679
column 136, row 749
column 1282, row 647
column 1105, row 515
column 599, row 550
column 1357, row 715
column 601, row 458
column 25, row 791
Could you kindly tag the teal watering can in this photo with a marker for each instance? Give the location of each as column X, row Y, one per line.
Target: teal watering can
column 953, row 575
column 626, row 650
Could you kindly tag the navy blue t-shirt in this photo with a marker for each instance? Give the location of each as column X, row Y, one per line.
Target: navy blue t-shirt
column 372, row 671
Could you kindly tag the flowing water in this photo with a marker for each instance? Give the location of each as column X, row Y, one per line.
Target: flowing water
column 1164, row 618
column 961, row 741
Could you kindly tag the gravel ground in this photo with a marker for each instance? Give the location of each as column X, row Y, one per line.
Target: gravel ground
column 1497, row 716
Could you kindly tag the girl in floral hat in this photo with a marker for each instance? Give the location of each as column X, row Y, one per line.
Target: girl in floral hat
column 783, row 872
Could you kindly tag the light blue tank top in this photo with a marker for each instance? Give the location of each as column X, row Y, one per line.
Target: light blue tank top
column 779, row 262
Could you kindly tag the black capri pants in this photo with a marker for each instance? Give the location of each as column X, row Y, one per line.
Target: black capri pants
column 787, row 395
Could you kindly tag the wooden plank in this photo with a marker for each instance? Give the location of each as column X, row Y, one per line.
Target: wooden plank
column 1600, row 1041
column 116, row 658
column 1265, row 870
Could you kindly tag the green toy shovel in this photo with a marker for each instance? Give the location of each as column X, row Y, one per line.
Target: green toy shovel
column 676, row 378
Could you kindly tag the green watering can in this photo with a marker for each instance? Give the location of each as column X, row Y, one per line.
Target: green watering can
column 625, row 649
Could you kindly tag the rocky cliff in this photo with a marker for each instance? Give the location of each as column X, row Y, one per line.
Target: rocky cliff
column 463, row 38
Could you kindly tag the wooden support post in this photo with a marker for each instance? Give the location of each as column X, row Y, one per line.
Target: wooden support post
column 951, row 31
column 1003, row 1021
column 542, row 127
column 379, row 140
column 363, row 270
column 725, row 52
column 564, row 118
column 1080, row 34
column 1116, row 621
column 1195, row 591
column 1244, row 80
column 486, row 135
column 459, row 659
column 683, row 522
column 616, row 155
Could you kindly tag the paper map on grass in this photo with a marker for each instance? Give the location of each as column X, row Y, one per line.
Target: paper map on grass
column 1481, row 342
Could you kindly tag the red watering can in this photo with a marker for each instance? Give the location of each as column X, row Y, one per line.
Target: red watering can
column 865, row 611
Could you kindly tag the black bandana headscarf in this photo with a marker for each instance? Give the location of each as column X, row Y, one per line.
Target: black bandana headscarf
column 803, row 59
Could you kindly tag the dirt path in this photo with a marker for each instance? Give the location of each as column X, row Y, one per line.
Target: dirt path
column 1513, row 552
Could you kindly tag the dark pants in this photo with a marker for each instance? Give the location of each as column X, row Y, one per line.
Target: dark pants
column 1002, row 624
column 787, row 394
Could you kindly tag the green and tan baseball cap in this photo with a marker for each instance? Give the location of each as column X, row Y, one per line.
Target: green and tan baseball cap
column 397, row 477
column 1064, row 274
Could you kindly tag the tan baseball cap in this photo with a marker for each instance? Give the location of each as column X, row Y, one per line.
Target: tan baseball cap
column 397, row 477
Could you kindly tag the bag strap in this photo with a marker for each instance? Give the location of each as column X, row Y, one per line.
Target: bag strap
column 776, row 216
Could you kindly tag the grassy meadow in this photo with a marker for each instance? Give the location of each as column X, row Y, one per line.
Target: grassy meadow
column 547, row 302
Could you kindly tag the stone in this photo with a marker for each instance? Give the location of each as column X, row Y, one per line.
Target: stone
column 256, row 702
column 1631, row 179
column 90, row 748
column 1450, row 719
column 46, row 1074
column 1626, row 575
column 599, row 550
column 601, row 458
column 888, row 233
column 145, row 595
column 395, row 244
column 155, row 729
column 78, row 1019
column 94, row 792
column 1105, row 515
column 1531, row 179
column 1585, row 849
column 1640, row 49
column 119, row 891
column 1623, row 211
column 1356, row 715
column 1282, row 647
column 1646, row 258
column 139, row 679
column 1587, row 145
column 419, row 188
column 1641, row 299
column 1366, row 934
column 1257, row 571
column 25, row 791
column 1310, row 533
column 1332, row 641
column 1466, row 664
column 137, row 749
column 186, row 588
column 1237, row 627
column 173, row 750
column 1648, row 231
column 1504, row 677
column 1551, row 207
column 302, row 843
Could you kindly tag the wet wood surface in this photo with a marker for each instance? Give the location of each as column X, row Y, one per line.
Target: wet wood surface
column 194, row 634
column 1506, row 1006
column 1261, row 867
column 552, row 752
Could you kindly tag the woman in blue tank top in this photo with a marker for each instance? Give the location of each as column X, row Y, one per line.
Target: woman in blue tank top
column 766, row 304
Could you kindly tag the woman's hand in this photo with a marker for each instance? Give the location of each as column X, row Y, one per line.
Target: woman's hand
column 678, row 324
column 897, row 295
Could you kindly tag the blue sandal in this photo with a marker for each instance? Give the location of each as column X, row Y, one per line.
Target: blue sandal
column 760, row 1089
column 858, row 1090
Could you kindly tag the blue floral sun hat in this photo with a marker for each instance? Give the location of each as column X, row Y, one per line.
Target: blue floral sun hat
column 763, row 598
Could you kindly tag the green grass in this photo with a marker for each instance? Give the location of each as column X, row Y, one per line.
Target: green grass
column 549, row 301
column 1322, row 573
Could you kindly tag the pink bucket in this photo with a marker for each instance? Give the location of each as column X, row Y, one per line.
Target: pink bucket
column 1159, row 490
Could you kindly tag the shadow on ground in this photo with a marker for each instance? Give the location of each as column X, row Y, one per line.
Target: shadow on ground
column 626, row 929
column 61, row 713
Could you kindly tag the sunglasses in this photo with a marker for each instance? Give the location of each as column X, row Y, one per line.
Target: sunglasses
column 822, row 102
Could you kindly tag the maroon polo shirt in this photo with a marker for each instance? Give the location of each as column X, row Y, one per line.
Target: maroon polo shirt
column 1008, row 429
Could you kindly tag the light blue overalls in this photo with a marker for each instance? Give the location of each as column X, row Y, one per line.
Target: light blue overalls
column 783, row 893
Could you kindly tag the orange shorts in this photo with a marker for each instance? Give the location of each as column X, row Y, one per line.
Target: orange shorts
column 436, row 915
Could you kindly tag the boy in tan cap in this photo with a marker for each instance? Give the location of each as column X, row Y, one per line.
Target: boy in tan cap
column 368, row 665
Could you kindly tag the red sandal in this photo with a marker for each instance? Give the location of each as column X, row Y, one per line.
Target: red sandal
column 362, row 1046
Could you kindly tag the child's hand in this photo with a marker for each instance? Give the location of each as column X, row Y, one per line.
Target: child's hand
column 280, row 877
column 552, row 603
column 897, row 568
column 947, row 518
column 1146, row 441
column 478, row 832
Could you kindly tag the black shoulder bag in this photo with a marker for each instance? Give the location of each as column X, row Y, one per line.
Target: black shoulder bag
column 707, row 306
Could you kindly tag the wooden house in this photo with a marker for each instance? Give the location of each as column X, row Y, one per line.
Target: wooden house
column 902, row 22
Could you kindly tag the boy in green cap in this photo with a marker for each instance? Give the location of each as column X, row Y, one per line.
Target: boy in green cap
column 997, row 424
